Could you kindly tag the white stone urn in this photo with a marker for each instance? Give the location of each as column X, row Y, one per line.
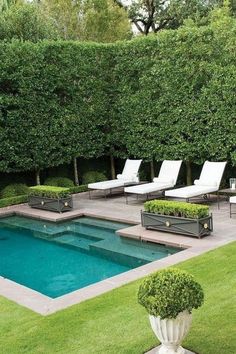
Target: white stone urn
column 171, row 332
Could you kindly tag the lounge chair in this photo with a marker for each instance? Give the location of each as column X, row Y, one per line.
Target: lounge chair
column 209, row 182
column 166, row 179
column 127, row 177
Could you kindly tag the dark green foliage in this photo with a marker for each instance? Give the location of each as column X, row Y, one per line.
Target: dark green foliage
column 59, row 182
column 49, row 192
column 13, row 200
column 170, row 96
column 186, row 210
column 53, row 103
column 168, row 292
column 79, row 189
column 13, row 190
column 26, row 22
column 93, row 176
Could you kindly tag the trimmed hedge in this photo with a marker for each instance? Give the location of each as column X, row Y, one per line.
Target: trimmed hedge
column 49, row 192
column 170, row 96
column 170, row 291
column 59, row 182
column 79, row 189
column 13, row 190
column 61, row 112
column 13, row 200
column 173, row 208
column 93, row 176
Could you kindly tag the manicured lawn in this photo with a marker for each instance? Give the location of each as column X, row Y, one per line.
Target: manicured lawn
column 115, row 323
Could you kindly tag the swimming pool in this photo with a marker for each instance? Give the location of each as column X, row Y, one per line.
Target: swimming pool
column 58, row 258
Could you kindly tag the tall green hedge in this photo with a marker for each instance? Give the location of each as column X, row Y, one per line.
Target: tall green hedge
column 165, row 96
column 177, row 94
column 53, row 103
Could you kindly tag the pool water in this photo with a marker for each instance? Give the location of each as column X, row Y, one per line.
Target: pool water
column 58, row 258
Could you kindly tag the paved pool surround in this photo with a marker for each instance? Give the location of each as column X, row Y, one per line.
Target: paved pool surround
column 115, row 209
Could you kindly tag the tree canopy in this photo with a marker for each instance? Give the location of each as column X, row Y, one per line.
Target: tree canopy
column 26, row 22
column 155, row 15
column 95, row 20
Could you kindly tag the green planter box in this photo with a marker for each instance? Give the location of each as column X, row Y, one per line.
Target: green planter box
column 52, row 204
column 177, row 225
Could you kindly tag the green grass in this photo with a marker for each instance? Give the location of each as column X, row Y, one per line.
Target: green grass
column 114, row 323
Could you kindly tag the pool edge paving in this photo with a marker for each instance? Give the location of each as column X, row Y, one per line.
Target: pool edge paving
column 117, row 211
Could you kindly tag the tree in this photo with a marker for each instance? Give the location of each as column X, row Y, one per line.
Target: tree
column 104, row 21
column 26, row 22
column 5, row 4
column 155, row 15
column 95, row 20
column 65, row 15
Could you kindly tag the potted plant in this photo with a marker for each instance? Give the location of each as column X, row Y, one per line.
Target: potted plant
column 50, row 198
column 177, row 217
column 169, row 297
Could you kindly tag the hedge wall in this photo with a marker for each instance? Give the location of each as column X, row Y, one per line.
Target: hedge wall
column 166, row 96
column 53, row 103
column 177, row 94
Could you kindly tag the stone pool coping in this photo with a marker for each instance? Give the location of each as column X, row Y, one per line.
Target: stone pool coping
column 45, row 305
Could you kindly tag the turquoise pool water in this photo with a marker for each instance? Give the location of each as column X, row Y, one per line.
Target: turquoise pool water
column 57, row 258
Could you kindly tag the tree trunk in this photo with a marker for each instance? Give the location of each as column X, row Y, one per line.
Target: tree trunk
column 37, row 176
column 113, row 169
column 188, row 173
column 152, row 169
column 76, row 176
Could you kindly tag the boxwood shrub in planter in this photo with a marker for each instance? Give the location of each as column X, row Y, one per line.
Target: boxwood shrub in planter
column 169, row 297
column 177, row 217
column 50, row 198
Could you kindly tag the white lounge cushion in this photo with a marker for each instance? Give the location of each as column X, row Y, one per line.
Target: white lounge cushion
column 131, row 167
column 169, row 170
column 159, row 180
column 232, row 200
column 199, row 182
column 147, row 188
column 190, row 191
column 212, row 173
column 128, row 176
column 133, row 178
column 113, row 183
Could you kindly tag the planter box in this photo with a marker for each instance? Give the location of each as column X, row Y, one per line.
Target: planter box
column 178, row 225
column 52, row 204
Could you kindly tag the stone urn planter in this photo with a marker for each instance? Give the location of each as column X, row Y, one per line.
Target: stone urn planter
column 177, row 217
column 169, row 297
column 171, row 332
column 50, row 198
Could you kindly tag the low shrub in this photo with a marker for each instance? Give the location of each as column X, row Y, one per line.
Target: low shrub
column 186, row 210
column 170, row 291
column 59, row 182
column 93, row 176
column 79, row 189
column 13, row 190
column 13, row 200
column 49, row 192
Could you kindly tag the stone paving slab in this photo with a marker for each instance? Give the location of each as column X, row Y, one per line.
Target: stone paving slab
column 116, row 209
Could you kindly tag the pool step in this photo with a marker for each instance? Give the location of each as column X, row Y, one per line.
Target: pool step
column 75, row 240
column 103, row 224
column 94, row 231
column 119, row 251
column 33, row 225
